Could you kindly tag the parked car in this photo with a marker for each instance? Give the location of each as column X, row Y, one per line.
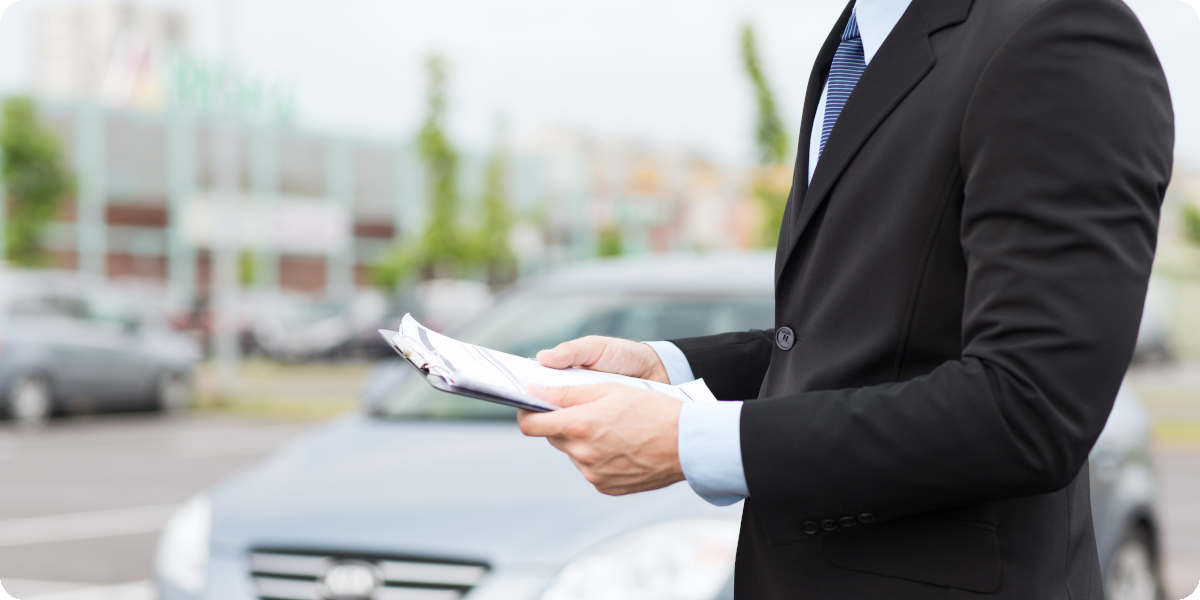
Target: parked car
column 428, row 495
column 70, row 343
column 450, row 302
column 1154, row 343
column 308, row 329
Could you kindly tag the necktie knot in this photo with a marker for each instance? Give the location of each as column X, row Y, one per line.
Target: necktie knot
column 851, row 32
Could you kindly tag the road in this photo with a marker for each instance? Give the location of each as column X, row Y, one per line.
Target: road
column 1178, row 466
column 81, row 502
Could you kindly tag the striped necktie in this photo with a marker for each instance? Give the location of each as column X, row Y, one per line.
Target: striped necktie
column 847, row 68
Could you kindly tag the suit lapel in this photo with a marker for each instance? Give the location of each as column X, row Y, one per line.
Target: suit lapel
column 901, row 63
column 812, row 97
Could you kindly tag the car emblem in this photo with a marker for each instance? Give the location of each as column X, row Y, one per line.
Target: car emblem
column 350, row 580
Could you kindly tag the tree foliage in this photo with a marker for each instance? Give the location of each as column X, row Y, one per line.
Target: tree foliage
column 493, row 249
column 1191, row 222
column 444, row 251
column 441, row 250
column 35, row 180
column 610, row 243
column 769, row 135
column 771, row 142
column 248, row 272
column 772, row 200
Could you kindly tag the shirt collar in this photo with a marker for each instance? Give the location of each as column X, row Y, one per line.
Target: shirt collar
column 876, row 19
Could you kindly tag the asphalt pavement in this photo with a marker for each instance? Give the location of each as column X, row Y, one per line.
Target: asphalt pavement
column 82, row 501
column 1178, row 470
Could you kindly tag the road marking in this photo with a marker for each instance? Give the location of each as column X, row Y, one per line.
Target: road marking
column 189, row 438
column 36, row 587
column 136, row 590
column 45, row 529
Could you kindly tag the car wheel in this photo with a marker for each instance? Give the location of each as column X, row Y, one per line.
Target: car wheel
column 1133, row 570
column 173, row 393
column 29, row 400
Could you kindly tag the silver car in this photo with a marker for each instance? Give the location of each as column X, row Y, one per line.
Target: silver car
column 71, row 343
column 432, row 496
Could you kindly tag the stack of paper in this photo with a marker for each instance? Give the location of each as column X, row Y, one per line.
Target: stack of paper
column 469, row 370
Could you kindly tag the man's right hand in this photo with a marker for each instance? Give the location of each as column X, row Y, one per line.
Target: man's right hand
column 607, row 354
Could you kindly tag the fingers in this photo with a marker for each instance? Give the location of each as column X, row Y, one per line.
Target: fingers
column 567, row 396
column 563, row 421
column 536, row 424
column 581, row 352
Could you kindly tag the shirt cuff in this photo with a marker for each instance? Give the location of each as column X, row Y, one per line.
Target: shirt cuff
column 678, row 369
column 710, row 450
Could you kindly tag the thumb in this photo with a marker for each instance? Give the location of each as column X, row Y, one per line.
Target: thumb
column 580, row 352
column 567, row 396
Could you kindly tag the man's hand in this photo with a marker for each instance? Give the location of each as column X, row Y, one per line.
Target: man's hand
column 607, row 354
column 622, row 439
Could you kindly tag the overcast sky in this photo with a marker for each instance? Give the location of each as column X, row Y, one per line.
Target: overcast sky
column 666, row 71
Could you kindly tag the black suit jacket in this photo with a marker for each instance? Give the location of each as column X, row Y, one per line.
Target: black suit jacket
column 964, row 278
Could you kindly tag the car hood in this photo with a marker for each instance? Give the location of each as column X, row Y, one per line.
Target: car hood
column 471, row 490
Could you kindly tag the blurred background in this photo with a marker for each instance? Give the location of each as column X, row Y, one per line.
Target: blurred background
column 210, row 206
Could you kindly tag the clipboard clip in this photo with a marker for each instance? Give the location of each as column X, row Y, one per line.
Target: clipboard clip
column 414, row 352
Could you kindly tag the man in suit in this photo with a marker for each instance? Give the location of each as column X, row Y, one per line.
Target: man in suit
column 959, row 279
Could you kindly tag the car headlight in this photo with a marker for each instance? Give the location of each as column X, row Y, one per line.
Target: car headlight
column 680, row 560
column 183, row 547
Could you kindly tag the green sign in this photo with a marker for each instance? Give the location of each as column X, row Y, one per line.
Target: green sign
column 218, row 89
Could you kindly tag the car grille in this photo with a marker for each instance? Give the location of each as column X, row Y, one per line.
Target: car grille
column 290, row 575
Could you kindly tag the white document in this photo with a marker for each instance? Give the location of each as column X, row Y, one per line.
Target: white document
column 466, row 369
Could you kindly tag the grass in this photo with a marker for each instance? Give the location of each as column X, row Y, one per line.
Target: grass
column 1177, row 432
column 309, row 391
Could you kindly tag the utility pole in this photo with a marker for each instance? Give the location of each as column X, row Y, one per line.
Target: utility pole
column 264, row 183
column 339, row 192
column 181, row 189
column 224, row 255
column 90, row 239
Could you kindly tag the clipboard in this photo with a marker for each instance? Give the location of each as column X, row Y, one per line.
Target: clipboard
column 437, row 373
column 473, row 371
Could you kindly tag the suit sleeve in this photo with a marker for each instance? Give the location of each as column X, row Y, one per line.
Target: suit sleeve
column 732, row 364
column 1066, row 151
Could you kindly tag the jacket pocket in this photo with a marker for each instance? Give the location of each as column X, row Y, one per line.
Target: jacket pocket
column 934, row 550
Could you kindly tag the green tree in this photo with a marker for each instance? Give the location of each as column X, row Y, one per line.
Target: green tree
column 1191, row 222
column 771, row 141
column 492, row 240
column 609, row 242
column 35, row 181
column 248, row 272
column 441, row 250
column 769, row 134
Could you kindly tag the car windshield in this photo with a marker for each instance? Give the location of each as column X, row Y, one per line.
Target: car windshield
column 530, row 321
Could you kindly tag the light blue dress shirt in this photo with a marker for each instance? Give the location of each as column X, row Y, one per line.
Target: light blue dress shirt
column 710, row 442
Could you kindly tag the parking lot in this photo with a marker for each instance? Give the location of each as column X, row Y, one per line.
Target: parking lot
column 84, row 499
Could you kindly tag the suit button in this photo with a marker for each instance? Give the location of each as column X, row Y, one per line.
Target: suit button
column 785, row 338
column 866, row 518
column 810, row 528
column 829, row 525
column 847, row 522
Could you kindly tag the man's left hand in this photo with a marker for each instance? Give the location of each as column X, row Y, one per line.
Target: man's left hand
column 624, row 440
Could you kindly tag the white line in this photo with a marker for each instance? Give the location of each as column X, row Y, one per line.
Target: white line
column 84, row 525
column 137, row 590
